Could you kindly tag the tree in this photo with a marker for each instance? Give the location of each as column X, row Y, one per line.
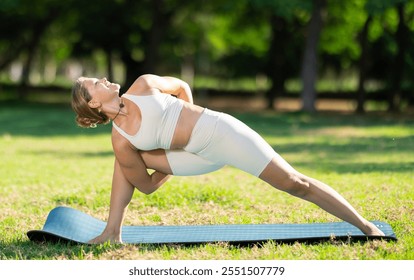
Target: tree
column 286, row 20
column 309, row 64
column 397, row 73
column 23, row 26
column 363, row 66
column 391, row 46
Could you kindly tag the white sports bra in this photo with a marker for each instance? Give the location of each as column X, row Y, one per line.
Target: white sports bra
column 160, row 113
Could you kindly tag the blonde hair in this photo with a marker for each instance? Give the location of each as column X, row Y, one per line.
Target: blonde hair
column 85, row 115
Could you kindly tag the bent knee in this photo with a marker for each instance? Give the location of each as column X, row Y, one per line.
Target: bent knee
column 296, row 184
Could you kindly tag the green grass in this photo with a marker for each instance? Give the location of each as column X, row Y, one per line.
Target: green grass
column 46, row 161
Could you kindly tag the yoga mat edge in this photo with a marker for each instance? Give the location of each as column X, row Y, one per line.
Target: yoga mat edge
column 65, row 224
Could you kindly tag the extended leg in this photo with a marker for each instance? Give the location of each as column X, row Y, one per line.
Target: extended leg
column 282, row 176
column 234, row 143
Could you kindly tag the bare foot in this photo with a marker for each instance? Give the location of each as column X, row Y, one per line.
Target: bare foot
column 372, row 230
column 105, row 237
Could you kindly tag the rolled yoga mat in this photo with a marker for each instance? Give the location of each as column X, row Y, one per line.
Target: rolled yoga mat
column 65, row 224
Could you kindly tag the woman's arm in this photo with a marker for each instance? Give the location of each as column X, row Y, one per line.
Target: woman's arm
column 121, row 195
column 129, row 172
column 134, row 168
column 169, row 85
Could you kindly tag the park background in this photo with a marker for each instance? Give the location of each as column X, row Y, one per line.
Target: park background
column 329, row 84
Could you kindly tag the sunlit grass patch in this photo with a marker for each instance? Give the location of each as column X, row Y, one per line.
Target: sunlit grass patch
column 47, row 161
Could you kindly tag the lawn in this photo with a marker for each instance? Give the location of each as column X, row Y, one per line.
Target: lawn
column 46, row 161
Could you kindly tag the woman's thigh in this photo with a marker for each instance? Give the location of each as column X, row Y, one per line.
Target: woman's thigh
column 238, row 145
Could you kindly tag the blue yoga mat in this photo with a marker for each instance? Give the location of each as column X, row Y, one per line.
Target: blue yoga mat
column 66, row 224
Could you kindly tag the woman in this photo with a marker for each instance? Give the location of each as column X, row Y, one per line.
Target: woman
column 158, row 113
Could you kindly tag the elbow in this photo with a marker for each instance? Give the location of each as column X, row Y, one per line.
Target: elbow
column 185, row 93
column 185, row 85
column 146, row 190
column 150, row 186
column 143, row 187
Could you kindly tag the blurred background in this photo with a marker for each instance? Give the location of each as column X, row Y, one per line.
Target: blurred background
column 261, row 54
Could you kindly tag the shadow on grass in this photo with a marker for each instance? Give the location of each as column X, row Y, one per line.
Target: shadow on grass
column 46, row 120
column 42, row 120
column 358, row 168
column 273, row 123
column 328, row 154
column 69, row 154
column 353, row 145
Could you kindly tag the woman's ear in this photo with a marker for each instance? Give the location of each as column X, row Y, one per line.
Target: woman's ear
column 94, row 104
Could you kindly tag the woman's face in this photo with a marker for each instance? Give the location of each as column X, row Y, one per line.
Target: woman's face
column 101, row 90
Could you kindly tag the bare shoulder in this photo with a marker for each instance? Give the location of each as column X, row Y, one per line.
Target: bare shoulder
column 119, row 143
column 147, row 79
column 160, row 82
column 147, row 83
column 143, row 84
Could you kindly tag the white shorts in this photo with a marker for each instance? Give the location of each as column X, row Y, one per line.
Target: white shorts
column 224, row 140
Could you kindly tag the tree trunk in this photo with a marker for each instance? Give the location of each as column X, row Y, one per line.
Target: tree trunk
column 152, row 39
column 38, row 29
column 309, row 63
column 132, row 69
column 27, row 64
column 397, row 70
column 363, row 66
column 109, row 65
column 187, row 69
column 277, row 59
column 155, row 36
column 10, row 54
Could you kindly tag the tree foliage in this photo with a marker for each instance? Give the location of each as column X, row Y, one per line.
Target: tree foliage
column 222, row 38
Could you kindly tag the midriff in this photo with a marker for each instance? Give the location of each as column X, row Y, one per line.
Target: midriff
column 189, row 116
